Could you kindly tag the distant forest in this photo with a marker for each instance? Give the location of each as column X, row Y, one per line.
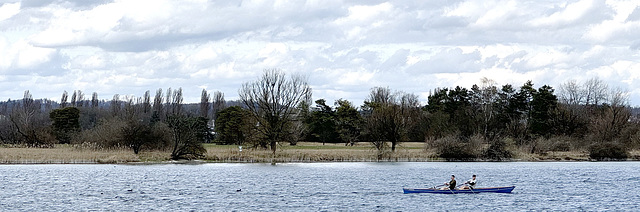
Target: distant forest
column 486, row 121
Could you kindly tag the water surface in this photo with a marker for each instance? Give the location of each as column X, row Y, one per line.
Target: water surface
column 571, row 186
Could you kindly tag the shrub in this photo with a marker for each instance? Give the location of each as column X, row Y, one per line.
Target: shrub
column 497, row 150
column 607, row 151
column 452, row 148
column 556, row 144
column 188, row 134
column 106, row 135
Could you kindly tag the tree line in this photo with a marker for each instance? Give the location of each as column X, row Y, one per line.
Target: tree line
column 485, row 121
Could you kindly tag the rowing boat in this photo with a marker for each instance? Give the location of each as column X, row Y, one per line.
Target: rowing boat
column 506, row 189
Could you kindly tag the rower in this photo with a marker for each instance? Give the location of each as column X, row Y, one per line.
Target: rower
column 451, row 184
column 470, row 184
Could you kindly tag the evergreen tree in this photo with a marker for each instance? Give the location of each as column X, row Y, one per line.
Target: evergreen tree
column 65, row 123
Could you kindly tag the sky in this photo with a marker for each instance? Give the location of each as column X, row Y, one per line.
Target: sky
column 343, row 48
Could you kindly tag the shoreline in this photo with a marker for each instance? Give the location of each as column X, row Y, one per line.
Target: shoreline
column 302, row 153
column 201, row 162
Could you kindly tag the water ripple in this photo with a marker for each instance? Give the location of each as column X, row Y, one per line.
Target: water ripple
column 557, row 186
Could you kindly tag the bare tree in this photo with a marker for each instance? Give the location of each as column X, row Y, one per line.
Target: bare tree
column 115, row 105
column 218, row 104
column 204, row 103
column 388, row 116
column 486, row 97
column 94, row 100
column 79, row 98
column 613, row 118
column 272, row 101
column 176, row 102
column 157, row 104
column 130, row 106
column 63, row 99
column 73, row 99
column 146, row 102
column 571, row 93
column 48, row 105
column 30, row 123
column 596, row 91
column 167, row 105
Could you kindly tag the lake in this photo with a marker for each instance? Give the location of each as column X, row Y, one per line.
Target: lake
column 573, row 186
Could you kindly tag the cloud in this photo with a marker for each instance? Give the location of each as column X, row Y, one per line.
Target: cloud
column 344, row 47
column 9, row 10
column 452, row 60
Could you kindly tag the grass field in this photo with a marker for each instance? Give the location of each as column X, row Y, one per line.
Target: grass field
column 302, row 152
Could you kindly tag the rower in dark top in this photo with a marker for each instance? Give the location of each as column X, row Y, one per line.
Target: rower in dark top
column 451, row 184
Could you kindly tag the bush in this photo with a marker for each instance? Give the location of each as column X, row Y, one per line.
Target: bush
column 188, row 134
column 555, row 144
column 452, row 148
column 607, row 151
column 497, row 151
column 106, row 135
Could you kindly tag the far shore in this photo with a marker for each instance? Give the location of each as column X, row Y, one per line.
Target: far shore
column 303, row 152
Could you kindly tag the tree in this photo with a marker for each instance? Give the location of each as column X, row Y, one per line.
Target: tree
column 204, row 104
column 63, row 99
column 543, row 105
column 94, row 100
column 595, row 91
column 523, row 99
column 454, row 107
column 272, row 101
column 79, row 99
column 321, row 122
column 519, row 109
column 508, row 113
column 188, row 134
column 571, row 93
column 135, row 134
column 389, row 116
column 146, row 102
column 231, row 125
column 137, row 131
column 610, row 119
column 572, row 115
column 485, row 99
column 115, row 105
column 349, row 122
column 218, row 103
column 156, row 115
column 65, row 123
column 30, row 123
column 73, row 99
column 176, row 102
column 377, row 108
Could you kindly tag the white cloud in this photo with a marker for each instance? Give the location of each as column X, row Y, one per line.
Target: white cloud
column 9, row 10
column 344, row 47
column 568, row 14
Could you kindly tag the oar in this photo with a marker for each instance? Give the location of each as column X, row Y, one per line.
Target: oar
column 473, row 192
column 451, row 190
column 469, row 186
column 437, row 186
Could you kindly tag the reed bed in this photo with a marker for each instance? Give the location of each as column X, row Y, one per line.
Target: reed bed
column 64, row 155
column 303, row 152
column 316, row 152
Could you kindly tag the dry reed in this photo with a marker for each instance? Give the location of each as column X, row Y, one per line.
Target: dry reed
column 63, row 155
column 303, row 152
column 316, row 152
